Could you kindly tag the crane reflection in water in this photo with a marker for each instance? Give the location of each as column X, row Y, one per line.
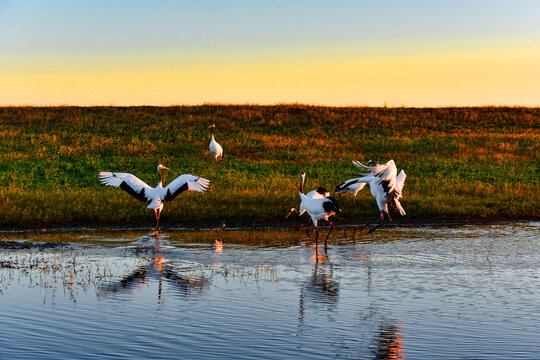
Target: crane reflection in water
column 322, row 287
column 322, row 290
column 159, row 268
column 389, row 342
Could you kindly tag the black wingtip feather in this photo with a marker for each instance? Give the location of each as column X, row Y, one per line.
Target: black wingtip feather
column 169, row 196
column 141, row 196
column 344, row 186
column 331, row 205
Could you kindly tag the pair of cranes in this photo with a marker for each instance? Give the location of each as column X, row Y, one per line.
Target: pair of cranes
column 385, row 186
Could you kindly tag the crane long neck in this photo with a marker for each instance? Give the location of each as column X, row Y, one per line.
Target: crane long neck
column 302, row 184
column 159, row 172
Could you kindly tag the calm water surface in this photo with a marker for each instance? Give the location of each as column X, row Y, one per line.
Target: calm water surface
column 464, row 292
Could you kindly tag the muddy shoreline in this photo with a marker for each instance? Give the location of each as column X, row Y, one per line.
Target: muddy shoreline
column 263, row 225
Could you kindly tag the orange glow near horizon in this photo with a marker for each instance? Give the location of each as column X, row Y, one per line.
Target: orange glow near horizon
column 462, row 79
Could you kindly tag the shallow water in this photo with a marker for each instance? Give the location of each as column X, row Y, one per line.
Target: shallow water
column 463, row 292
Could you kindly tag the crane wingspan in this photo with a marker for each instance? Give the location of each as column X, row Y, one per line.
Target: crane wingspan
column 183, row 183
column 127, row 182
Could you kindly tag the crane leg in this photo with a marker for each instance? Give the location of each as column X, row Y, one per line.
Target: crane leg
column 388, row 215
column 158, row 213
column 327, row 236
column 354, row 204
column 380, row 224
column 316, row 239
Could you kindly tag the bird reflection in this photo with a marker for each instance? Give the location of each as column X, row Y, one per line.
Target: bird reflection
column 219, row 239
column 389, row 342
column 316, row 255
column 219, row 246
column 159, row 269
column 320, row 288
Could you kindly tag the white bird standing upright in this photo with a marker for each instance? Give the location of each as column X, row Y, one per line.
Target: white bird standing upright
column 156, row 196
column 214, row 147
column 385, row 186
column 318, row 209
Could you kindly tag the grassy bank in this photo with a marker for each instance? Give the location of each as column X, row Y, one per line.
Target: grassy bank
column 460, row 162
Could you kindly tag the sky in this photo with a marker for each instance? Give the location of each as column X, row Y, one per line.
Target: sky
column 340, row 53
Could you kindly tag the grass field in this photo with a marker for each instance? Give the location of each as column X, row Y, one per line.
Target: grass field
column 461, row 163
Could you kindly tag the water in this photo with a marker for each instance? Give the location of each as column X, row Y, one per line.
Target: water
column 463, row 292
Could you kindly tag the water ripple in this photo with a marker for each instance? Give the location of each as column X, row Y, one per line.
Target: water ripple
column 431, row 292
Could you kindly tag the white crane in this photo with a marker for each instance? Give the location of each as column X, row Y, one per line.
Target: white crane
column 318, row 193
column 156, row 196
column 318, row 209
column 385, row 186
column 214, row 147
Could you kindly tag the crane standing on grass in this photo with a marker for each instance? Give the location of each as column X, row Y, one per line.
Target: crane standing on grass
column 214, row 147
column 156, row 196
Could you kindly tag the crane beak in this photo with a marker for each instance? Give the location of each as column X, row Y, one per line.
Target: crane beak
column 164, row 167
column 292, row 211
column 212, row 126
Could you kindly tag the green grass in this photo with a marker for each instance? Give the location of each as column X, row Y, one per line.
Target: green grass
column 461, row 162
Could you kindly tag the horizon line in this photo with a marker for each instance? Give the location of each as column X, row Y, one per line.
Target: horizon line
column 271, row 105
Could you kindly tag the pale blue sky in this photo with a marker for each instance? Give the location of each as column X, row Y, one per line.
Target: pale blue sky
column 83, row 32
column 71, row 26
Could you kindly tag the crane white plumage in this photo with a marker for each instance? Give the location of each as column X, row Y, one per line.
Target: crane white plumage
column 318, row 193
column 385, row 186
column 214, row 147
column 156, row 196
column 398, row 193
column 318, row 208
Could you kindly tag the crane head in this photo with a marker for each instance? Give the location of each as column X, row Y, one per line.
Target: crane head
column 212, row 126
column 160, row 166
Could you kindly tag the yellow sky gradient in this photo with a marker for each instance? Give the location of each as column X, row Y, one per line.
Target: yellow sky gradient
column 483, row 78
column 135, row 52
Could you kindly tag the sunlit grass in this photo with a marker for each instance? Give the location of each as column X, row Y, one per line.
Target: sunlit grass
column 460, row 162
